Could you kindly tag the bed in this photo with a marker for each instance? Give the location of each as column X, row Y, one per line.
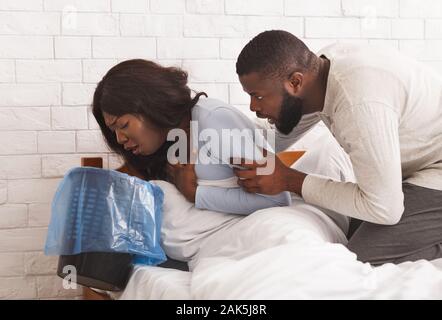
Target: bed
column 296, row 252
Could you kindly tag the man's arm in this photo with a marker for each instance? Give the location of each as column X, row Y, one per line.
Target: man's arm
column 369, row 134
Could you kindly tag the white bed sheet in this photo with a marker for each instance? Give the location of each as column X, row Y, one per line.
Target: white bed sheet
column 295, row 252
column 155, row 283
column 285, row 253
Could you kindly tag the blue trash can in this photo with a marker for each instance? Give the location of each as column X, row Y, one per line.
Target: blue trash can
column 105, row 219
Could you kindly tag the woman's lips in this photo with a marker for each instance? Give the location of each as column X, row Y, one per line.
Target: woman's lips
column 136, row 150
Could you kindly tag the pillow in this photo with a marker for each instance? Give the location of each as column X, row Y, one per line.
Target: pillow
column 290, row 157
column 184, row 227
column 324, row 158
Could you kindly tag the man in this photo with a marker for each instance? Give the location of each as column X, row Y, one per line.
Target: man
column 384, row 109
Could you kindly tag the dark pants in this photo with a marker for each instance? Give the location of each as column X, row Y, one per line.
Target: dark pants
column 418, row 235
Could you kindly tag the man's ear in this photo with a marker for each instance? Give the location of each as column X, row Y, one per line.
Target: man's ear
column 294, row 83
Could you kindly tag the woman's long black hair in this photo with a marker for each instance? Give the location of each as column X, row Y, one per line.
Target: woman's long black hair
column 143, row 88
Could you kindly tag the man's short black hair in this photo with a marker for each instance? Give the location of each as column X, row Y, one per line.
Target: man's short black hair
column 275, row 53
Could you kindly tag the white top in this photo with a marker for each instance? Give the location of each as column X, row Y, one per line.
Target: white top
column 385, row 110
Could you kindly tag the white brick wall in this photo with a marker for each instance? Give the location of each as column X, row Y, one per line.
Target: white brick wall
column 23, row 166
column 75, row 94
column 17, row 47
column 72, row 47
column 56, row 141
column 7, row 71
column 255, row 7
column 79, row 5
column 313, row 8
column 3, row 191
column 107, row 47
column 380, row 8
column 189, row 48
column 13, row 216
column 14, row 5
column 31, row 71
column 29, row 95
column 69, row 118
column 132, row 6
column 30, row 23
column 29, row 118
column 18, row 142
column 12, row 264
column 167, row 6
column 53, row 52
column 205, row 6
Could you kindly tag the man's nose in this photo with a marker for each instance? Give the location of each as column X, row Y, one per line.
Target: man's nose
column 253, row 106
column 121, row 138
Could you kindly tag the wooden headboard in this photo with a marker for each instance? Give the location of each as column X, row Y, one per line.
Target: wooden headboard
column 98, row 163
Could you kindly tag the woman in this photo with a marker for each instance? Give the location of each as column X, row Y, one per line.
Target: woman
column 138, row 102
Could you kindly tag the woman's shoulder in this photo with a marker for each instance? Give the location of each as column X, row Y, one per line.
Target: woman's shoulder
column 211, row 112
column 211, row 104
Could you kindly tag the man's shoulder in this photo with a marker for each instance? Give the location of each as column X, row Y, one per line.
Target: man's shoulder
column 349, row 50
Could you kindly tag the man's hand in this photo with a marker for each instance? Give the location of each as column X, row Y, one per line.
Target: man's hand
column 184, row 178
column 281, row 179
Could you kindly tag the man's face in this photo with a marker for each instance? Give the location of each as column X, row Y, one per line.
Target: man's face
column 269, row 99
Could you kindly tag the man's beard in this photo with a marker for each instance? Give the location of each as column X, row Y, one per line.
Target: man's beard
column 290, row 114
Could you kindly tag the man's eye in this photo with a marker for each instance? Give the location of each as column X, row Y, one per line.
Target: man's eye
column 125, row 126
column 259, row 97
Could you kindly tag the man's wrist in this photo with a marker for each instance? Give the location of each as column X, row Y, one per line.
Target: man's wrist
column 295, row 180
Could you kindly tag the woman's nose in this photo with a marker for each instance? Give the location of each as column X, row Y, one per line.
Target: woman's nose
column 121, row 138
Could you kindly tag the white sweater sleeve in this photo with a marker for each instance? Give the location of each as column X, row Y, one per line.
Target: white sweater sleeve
column 369, row 134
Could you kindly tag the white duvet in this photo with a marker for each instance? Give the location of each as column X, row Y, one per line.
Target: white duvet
column 295, row 252
column 285, row 253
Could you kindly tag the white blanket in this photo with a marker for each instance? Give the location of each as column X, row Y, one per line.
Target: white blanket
column 285, row 253
column 295, row 252
column 288, row 253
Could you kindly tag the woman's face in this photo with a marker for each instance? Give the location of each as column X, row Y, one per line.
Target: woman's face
column 136, row 134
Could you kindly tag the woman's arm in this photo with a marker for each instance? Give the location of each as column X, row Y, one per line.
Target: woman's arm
column 241, row 144
column 236, row 200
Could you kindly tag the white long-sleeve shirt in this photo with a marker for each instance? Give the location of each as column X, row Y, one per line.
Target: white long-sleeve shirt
column 385, row 110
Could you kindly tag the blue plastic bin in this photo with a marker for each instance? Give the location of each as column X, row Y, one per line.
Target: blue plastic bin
column 97, row 210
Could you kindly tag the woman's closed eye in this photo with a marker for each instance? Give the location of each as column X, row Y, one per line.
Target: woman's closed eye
column 125, row 125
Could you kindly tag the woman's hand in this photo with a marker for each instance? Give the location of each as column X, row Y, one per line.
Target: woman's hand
column 184, row 178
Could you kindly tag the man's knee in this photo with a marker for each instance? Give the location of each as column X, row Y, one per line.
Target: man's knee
column 373, row 243
column 361, row 249
column 417, row 235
